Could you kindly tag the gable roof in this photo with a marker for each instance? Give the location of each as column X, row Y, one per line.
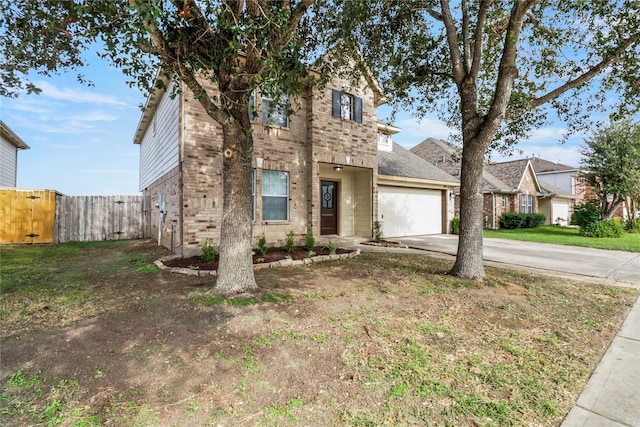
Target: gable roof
column 446, row 156
column 11, row 136
column 549, row 190
column 542, row 166
column 440, row 153
column 401, row 162
column 512, row 172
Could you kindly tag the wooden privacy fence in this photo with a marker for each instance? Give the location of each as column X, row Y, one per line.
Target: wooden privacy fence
column 45, row 216
column 89, row 218
column 27, row 216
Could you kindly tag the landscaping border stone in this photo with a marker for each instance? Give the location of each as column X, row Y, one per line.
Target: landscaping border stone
column 275, row 264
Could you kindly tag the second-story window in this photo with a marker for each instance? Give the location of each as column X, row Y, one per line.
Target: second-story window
column 346, row 106
column 253, row 112
column 384, row 141
column 275, row 113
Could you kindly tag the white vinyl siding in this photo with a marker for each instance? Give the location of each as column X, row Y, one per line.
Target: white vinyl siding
column 159, row 147
column 406, row 211
column 8, row 158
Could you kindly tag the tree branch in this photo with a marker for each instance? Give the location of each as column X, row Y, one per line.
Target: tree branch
column 507, row 71
column 466, row 43
column 452, row 41
column 478, row 37
column 572, row 84
column 169, row 57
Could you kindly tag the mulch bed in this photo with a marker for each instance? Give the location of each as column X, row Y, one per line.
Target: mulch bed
column 273, row 254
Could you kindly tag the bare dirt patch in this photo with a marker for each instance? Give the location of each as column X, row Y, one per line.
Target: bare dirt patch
column 377, row 340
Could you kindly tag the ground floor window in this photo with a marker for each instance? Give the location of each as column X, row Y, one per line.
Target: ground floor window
column 275, row 196
column 526, row 203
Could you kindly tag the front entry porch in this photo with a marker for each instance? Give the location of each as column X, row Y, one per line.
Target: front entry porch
column 344, row 201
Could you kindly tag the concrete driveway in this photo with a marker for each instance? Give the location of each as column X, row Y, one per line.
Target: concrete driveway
column 613, row 266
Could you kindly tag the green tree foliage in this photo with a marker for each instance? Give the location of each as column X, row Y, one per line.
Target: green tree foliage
column 221, row 50
column 586, row 213
column 611, row 161
column 487, row 67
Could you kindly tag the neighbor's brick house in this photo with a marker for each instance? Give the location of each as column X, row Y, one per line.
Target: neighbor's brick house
column 511, row 186
column 313, row 171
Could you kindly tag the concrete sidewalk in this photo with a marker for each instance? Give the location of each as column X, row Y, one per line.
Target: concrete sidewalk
column 611, row 397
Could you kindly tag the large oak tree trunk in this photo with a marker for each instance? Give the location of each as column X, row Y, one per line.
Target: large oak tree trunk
column 235, row 272
column 469, row 256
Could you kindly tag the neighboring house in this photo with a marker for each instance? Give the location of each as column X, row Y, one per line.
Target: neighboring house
column 414, row 196
column 507, row 187
column 568, row 179
column 313, row 171
column 11, row 144
column 532, row 195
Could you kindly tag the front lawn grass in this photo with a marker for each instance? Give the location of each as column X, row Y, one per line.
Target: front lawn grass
column 630, row 242
column 381, row 339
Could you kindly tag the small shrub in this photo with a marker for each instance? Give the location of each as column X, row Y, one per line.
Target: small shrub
column 632, row 226
column 455, row 225
column 309, row 241
column 377, row 231
column 289, row 241
column 332, row 246
column 602, row 229
column 262, row 245
column 534, row 220
column 511, row 220
column 587, row 213
column 312, row 253
column 209, row 252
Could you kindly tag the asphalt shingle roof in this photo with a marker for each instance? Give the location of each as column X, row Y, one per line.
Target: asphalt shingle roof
column 402, row 162
column 542, row 166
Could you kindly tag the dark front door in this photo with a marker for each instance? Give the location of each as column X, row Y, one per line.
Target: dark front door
column 329, row 209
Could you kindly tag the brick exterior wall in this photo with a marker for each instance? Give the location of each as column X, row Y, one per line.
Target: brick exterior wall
column 169, row 224
column 492, row 209
column 308, row 149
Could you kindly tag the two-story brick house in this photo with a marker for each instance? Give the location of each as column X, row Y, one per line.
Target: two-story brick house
column 315, row 170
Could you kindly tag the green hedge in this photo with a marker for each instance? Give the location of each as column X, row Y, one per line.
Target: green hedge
column 600, row 229
column 514, row 220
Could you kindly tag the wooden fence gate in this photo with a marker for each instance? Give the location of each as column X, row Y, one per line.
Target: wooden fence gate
column 27, row 216
column 46, row 216
column 90, row 218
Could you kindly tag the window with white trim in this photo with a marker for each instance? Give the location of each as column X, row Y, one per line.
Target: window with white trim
column 526, row 203
column 275, row 196
column 253, row 194
column 346, row 106
column 253, row 112
column 275, row 114
column 385, row 142
column 503, row 202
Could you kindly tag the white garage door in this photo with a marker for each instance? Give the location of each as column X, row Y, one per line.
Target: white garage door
column 560, row 209
column 409, row 211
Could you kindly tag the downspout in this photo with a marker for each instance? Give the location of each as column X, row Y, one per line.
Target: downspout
column 493, row 210
column 182, row 126
column 15, row 170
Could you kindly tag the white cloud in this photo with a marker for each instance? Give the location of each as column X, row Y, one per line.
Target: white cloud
column 413, row 131
column 75, row 95
column 95, row 116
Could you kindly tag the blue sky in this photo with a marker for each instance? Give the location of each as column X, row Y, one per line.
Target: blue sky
column 81, row 137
